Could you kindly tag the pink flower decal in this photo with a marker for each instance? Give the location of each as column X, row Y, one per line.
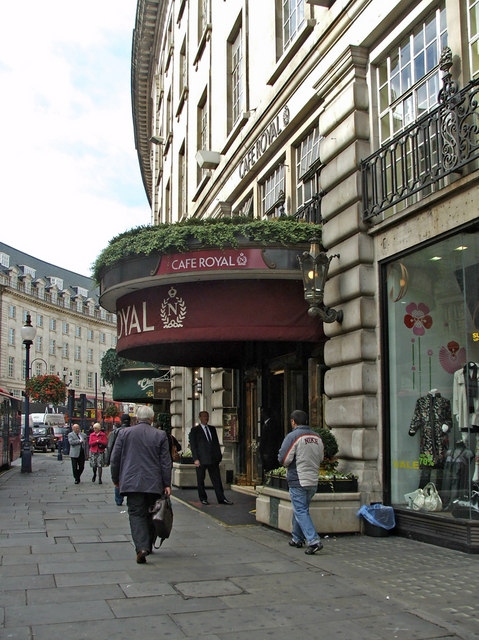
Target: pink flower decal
column 417, row 318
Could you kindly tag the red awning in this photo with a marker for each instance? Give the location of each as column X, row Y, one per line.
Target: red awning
column 214, row 323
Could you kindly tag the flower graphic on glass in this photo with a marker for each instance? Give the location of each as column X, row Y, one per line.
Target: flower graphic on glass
column 417, row 318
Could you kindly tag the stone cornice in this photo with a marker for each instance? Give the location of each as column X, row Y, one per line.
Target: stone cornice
column 150, row 19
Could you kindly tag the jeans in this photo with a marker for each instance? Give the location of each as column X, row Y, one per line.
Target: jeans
column 303, row 527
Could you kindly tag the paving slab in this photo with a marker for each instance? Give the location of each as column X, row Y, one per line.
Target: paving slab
column 62, row 543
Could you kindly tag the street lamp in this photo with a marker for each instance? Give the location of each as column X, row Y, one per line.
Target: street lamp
column 315, row 266
column 28, row 334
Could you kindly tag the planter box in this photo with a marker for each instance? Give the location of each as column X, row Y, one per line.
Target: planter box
column 184, row 476
column 330, row 512
column 338, row 485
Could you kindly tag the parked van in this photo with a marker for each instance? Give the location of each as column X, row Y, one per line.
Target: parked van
column 46, row 419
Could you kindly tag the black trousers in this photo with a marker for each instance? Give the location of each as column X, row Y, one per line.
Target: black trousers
column 141, row 524
column 215, row 476
column 78, row 464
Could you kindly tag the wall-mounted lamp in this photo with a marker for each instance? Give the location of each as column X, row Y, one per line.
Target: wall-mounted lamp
column 315, row 266
column 157, row 140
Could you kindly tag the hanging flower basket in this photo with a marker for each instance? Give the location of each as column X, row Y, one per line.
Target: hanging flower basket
column 111, row 411
column 47, row 389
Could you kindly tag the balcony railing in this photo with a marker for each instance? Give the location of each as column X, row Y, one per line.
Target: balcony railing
column 435, row 146
column 310, row 211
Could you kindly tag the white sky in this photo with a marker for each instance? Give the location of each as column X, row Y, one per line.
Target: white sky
column 69, row 178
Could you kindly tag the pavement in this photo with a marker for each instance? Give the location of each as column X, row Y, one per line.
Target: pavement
column 68, row 570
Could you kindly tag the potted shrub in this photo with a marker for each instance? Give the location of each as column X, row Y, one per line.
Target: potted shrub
column 186, row 457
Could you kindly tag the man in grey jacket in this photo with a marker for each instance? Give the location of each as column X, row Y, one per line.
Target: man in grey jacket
column 141, row 468
column 302, row 452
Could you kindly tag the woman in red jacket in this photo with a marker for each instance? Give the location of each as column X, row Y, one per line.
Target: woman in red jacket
column 97, row 442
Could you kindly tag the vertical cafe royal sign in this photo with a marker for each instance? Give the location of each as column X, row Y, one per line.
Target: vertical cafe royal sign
column 264, row 141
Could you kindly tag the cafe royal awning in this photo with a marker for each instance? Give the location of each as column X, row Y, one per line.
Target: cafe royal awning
column 209, row 307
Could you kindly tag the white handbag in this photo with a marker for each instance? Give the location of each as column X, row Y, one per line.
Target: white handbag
column 427, row 499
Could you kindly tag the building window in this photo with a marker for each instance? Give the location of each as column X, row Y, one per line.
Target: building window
column 66, row 350
column 78, row 332
column 102, row 337
column 307, row 164
column 90, row 355
column 292, row 20
column 272, row 193
column 182, row 183
column 203, row 130
column 183, row 68
column 38, row 368
column 432, row 340
column 56, row 281
column 473, row 35
column 11, row 336
column 53, row 324
column 11, row 311
column 77, row 377
column 77, row 353
column 203, row 12
column 66, row 328
column 246, row 208
column 90, row 334
column 39, row 344
column 169, row 116
column 408, row 80
column 52, row 348
column 167, row 203
column 52, row 369
column 4, row 259
column 39, row 320
column 89, row 382
column 236, row 89
column 11, row 367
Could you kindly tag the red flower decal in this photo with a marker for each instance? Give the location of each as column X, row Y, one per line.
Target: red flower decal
column 417, row 318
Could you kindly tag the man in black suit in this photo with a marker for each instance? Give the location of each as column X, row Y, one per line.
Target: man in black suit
column 206, row 451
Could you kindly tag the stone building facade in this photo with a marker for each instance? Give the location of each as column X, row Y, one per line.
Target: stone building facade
column 350, row 113
column 72, row 331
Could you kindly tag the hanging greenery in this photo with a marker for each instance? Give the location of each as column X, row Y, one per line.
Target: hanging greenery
column 47, row 389
column 209, row 232
column 112, row 365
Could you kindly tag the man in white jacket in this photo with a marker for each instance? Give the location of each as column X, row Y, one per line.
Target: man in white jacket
column 302, row 452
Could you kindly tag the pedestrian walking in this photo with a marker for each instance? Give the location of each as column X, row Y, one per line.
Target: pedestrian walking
column 141, row 468
column 78, row 451
column 125, row 422
column 302, row 452
column 207, row 456
column 97, row 443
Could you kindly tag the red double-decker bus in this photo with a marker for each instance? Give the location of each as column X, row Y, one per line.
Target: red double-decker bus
column 10, row 428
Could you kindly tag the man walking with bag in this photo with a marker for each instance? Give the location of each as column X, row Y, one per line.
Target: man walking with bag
column 141, row 468
column 302, row 452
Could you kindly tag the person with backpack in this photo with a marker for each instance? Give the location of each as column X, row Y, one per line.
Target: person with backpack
column 125, row 422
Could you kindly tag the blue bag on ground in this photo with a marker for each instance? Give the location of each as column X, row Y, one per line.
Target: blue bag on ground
column 378, row 515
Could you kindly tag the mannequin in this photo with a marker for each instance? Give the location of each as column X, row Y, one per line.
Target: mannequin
column 432, row 417
column 465, row 404
column 457, row 472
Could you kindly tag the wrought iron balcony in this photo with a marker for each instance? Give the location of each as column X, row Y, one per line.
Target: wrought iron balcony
column 310, row 211
column 438, row 144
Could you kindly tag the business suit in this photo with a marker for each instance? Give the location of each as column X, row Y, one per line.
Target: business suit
column 208, row 453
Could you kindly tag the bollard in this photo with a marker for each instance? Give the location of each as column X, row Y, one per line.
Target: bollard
column 59, row 447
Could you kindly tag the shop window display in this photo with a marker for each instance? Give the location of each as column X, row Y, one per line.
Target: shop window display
column 433, row 361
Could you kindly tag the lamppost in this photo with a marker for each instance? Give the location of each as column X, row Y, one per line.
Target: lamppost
column 103, row 410
column 28, row 334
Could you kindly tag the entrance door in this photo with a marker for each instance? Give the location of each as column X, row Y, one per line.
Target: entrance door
column 252, row 476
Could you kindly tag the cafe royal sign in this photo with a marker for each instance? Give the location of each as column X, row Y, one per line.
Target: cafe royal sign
column 219, row 296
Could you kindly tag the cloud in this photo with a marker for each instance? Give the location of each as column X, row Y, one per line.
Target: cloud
column 70, row 177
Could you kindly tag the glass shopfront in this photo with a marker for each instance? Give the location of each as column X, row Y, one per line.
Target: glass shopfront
column 432, row 334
